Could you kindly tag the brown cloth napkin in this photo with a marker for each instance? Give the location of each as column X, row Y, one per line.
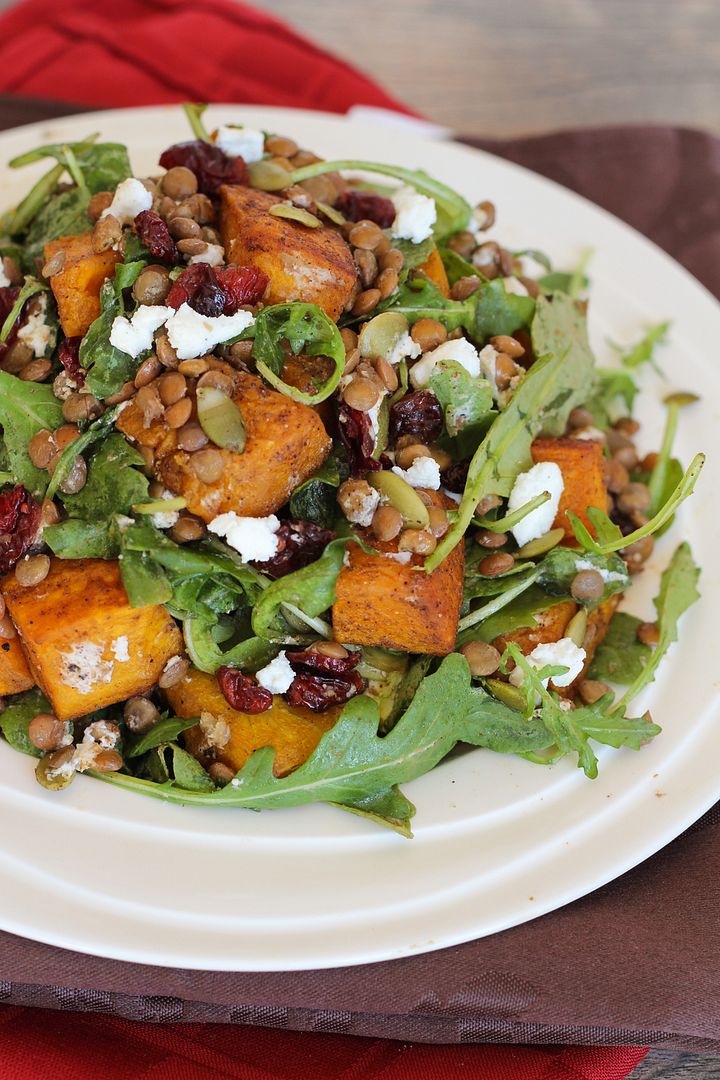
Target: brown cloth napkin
column 638, row 961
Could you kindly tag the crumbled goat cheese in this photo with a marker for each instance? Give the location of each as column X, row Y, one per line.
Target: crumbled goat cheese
column 192, row 334
column 512, row 285
column 592, row 434
column 4, row 279
column 460, row 350
column 254, row 538
column 83, row 667
column 545, row 476
column 119, row 649
column 488, row 357
column 423, row 473
column 373, row 416
column 360, row 508
column 415, row 214
column 101, row 732
column 165, row 519
column 404, row 348
column 97, row 737
column 563, row 653
column 277, row 676
column 36, row 333
column 213, row 255
column 215, row 729
column 130, row 199
column 452, row 495
column 134, row 336
column 244, row 142
column 398, row 556
column 605, row 574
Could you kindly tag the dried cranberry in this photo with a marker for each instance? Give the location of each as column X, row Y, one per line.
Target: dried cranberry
column 242, row 285
column 364, row 206
column 320, row 662
column 455, row 478
column 19, row 521
column 299, row 544
column 357, row 437
column 241, row 692
column 211, row 165
column 419, row 414
column 69, row 357
column 211, row 291
column 323, row 681
column 155, row 235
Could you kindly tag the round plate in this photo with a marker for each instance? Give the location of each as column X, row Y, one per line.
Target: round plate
column 497, row 840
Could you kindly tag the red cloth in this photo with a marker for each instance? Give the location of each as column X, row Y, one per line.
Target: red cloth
column 139, row 53
column 80, row 1046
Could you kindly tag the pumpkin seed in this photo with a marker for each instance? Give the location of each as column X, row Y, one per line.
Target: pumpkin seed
column 381, row 334
column 44, row 774
column 295, row 213
column 331, row 213
column 402, row 496
column 267, row 176
column 509, row 695
column 577, row 626
column 160, row 506
column 220, row 419
column 383, row 659
column 540, row 545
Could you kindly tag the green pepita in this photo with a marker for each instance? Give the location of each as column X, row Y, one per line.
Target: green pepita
column 509, row 695
column 380, row 335
column 268, row 176
column 403, row 497
column 331, row 213
column 46, row 774
column 295, row 213
column 577, row 627
column 160, row 506
column 220, row 419
column 540, row 545
column 681, row 398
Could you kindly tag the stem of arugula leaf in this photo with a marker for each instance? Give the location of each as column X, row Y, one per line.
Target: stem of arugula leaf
column 34, row 200
column 483, row 613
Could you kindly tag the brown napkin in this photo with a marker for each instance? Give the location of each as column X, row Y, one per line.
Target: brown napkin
column 638, row 961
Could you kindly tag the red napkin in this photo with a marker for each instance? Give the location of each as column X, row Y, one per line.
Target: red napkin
column 133, row 53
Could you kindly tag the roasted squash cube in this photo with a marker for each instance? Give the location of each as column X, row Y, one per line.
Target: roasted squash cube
column 550, row 626
column 312, row 265
column 15, row 674
column 292, row 730
column 286, row 443
column 394, row 605
column 434, row 268
column 581, row 463
column 77, row 287
column 84, row 644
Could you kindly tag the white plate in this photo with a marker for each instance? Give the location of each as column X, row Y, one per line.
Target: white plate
column 497, row 841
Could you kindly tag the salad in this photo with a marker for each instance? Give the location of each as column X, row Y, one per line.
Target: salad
column 305, row 480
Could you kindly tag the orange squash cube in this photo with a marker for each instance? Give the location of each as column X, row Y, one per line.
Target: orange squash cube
column 581, row 462
column 15, row 674
column 77, row 287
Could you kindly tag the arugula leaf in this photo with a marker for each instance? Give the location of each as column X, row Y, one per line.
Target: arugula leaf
column 553, row 386
column 612, row 387
column 64, row 214
column 620, row 657
column 108, row 368
column 79, row 539
column 559, row 567
column 466, row 400
column 520, row 612
column 103, row 166
column 307, row 329
column 678, row 592
column 19, row 219
column 643, row 351
column 315, row 500
column 310, row 590
column 389, row 807
column 166, row 730
column 666, row 468
column 15, row 720
column 194, row 111
column 96, row 431
column 25, row 409
column 453, row 212
column 113, row 482
column 31, row 287
column 206, row 654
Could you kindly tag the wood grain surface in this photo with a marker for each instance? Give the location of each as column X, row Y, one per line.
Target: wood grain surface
column 522, row 66
column 668, row 1065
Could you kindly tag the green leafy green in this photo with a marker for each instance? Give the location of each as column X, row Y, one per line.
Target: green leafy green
column 113, row 484
column 520, row 612
column 206, row 653
column 466, row 400
column 310, row 591
column 64, row 214
column 79, row 539
column 19, row 219
column 95, row 432
column 678, row 592
column 620, row 657
column 166, row 730
column 108, row 368
column 15, row 720
column 194, row 112
column 643, row 351
column 31, row 287
column 555, row 384
column 559, row 567
column 612, row 396
column 25, row 409
column 664, row 476
column 315, row 500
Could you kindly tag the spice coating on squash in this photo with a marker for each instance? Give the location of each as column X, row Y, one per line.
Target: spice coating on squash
column 312, row 265
column 77, row 287
column 581, row 462
column 292, row 730
column 15, row 675
column 286, row 443
column 76, row 628
column 393, row 605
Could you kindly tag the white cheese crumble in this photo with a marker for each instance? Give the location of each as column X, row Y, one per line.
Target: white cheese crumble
column 215, row 729
column 134, row 336
column 247, row 143
column 213, row 255
column 423, row 473
column 130, row 199
column 460, row 350
column 398, row 556
column 119, row 649
column 98, row 736
column 404, row 348
column 563, row 653
column 83, row 667
column 605, row 574
column 4, row 279
column 277, row 676
column 192, row 334
column 545, row 476
column 512, row 285
column 590, row 433
column 165, row 519
column 360, row 509
column 36, row 333
column 254, row 538
column 415, row 214
column 488, row 358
